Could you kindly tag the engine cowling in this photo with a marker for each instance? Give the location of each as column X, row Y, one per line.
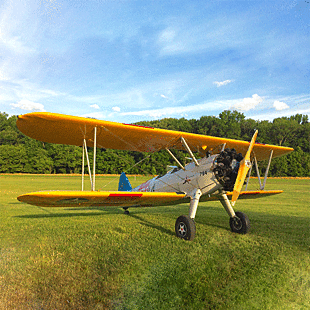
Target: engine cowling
column 226, row 168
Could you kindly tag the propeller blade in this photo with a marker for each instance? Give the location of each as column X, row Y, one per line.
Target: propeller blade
column 244, row 167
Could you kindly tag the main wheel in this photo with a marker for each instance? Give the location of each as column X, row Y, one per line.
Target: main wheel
column 240, row 223
column 185, row 228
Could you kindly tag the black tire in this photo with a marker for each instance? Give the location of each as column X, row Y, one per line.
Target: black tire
column 240, row 223
column 126, row 210
column 185, row 228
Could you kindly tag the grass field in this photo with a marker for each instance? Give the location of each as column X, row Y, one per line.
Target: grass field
column 99, row 258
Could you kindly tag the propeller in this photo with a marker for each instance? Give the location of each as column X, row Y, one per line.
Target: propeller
column 244, row 167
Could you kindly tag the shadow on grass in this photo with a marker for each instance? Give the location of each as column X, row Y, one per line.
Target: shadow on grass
column 225, row 226
column 281, row 229
column 49, row 214
column 152, row 225
column 292, row 230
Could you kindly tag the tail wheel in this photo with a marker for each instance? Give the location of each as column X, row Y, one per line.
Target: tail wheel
column 185, row 228
column 240, row 223
column 126, row 210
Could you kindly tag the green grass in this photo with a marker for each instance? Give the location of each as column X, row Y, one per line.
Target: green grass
column 64, row 258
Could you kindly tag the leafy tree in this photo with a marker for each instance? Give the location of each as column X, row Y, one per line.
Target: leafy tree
column 248, row 127
column 12, row 158
column 66, row 158
column 283, row 131
column 8, row 136
column 38, row 161
column 231, row 123
column 298, row 163
column 3, row 121
column 264, row 129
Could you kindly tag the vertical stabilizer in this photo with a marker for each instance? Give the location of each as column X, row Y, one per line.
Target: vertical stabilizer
column 124, row 184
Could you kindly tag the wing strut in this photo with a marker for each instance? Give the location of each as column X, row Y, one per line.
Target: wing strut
column 223, row 147
column 175, row 158
column 262, row 187
column 94, row 163
column 189, row 151
column 267, row 169
column 83, row 164
column 88, row 164
column 249, row 175
column 85, row 152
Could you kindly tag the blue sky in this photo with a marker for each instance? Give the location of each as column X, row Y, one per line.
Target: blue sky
column 128, row 61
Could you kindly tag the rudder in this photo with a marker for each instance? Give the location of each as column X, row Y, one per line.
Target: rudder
column 124, row 184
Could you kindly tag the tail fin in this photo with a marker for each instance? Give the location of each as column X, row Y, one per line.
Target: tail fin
column 124, row 184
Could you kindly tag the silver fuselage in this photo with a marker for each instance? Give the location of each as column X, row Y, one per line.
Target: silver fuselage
column 190, row 179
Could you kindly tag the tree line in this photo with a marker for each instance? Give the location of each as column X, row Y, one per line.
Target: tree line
column 21, row 154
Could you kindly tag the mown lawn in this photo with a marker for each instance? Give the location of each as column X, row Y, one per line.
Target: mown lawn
column 64, row 258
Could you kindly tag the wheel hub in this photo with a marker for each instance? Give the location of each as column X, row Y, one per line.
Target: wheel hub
column 182, row 229
column 237, row 223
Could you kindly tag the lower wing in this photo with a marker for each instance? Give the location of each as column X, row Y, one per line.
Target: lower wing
column 100, row 199
column 244, row 195
column 120, row 199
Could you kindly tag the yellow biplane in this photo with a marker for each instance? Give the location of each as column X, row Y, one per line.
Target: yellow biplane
column 219, row 174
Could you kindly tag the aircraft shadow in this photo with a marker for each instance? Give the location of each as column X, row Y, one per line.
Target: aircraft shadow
column 292, row 230
column 201, row 222
column 151, row 224
column 49, row 214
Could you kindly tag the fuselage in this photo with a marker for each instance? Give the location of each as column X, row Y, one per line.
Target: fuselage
column 190, row 179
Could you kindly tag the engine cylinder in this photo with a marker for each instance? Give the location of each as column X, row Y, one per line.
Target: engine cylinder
column 226, row 168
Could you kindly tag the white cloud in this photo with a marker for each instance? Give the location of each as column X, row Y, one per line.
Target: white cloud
column 95, row 106
column 248, row 103
column 28, row 105
column 219, row 84
column 116, row 109
column 180, row 111
column 167, row 35
column 3, row 77
column 279, row 106
column 95, row 115
column 210, row 108
column 170, row 42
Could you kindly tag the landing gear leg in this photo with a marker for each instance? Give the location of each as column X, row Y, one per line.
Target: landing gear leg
column 226, row 204
column 239, row 222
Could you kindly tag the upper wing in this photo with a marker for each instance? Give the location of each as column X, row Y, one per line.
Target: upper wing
column 64, row 129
